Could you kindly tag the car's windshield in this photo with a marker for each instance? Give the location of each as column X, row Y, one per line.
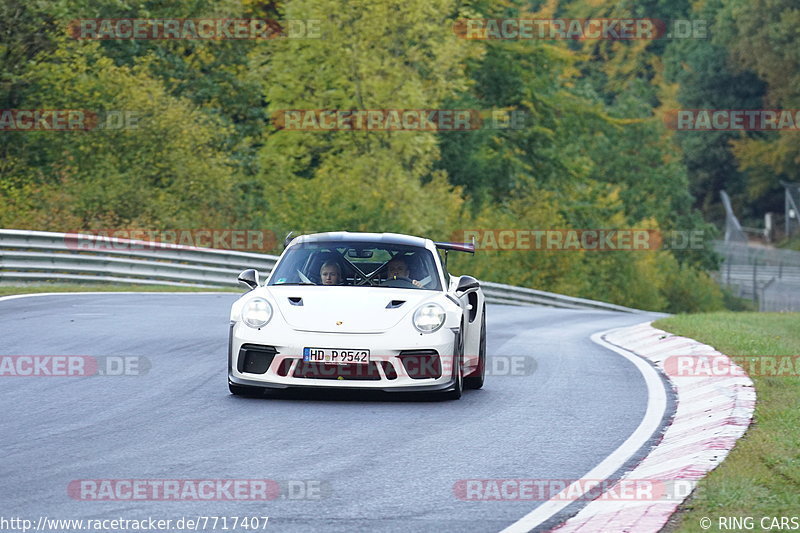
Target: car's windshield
column 357, row 264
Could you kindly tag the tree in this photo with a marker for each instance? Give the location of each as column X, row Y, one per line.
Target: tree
column 388, row 55
column 762, row 38
column 165, row 167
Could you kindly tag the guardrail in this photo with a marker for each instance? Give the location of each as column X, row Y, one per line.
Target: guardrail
column 67, row 257
column 39, row 256
column 509, row 294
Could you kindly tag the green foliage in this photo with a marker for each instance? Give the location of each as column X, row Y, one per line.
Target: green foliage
column 517, row 77
column 372, row 56
column 688, row 290
column 707, row 79
column 762, row 39
column 558, row 271
column 592, row 151
column 166, row 168
column 28, row 31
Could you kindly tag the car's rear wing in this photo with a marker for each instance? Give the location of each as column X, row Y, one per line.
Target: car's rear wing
column 468, row 247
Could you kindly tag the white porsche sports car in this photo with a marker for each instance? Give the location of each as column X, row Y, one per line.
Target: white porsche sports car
column 361, row 311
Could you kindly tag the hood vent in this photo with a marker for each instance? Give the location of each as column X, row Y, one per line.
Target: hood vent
column 295, row 300
column 394, row 304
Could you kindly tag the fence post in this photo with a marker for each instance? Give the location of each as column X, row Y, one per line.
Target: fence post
column 755, row 277
column 728, row 266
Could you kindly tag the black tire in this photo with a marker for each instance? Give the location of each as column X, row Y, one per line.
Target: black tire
column 476, row 378
column 455, row 392
column 244, row 390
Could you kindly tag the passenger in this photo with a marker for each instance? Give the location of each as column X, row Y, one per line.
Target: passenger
column 331, row 273
column 398, row 268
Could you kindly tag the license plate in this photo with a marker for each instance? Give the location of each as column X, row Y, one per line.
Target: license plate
column 337, row 356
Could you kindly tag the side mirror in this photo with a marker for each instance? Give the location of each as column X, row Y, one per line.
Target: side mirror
column 466, row 283
column 249, row 277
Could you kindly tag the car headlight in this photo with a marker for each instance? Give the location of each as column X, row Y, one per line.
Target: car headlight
column 257, row 312
column 429, row 318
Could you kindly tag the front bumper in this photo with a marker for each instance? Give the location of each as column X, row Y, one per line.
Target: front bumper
column 284, row 368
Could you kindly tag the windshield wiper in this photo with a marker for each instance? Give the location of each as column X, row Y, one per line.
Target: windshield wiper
column 295, row 283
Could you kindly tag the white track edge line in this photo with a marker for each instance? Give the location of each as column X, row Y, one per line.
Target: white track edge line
column 656, row 407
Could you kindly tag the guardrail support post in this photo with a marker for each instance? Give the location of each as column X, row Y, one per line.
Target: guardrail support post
column 728, row 268
column 755, row 277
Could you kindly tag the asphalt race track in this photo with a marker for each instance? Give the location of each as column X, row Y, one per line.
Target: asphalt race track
column 344, row 462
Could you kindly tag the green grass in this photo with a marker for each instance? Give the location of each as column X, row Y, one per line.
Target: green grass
column 8, row 290
column 791, row 244
column 761, row 476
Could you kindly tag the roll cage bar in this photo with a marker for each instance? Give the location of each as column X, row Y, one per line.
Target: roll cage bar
column 367, row 278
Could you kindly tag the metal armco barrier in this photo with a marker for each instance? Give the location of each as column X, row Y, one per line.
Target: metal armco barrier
column 39, row 256
column 509, row 294
column 46, row 256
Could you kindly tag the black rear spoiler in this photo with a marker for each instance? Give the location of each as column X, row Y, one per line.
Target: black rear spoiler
column 468, row 247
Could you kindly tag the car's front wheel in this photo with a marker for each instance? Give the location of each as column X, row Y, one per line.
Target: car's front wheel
column 458, row 369
column 455, row 392
column 475, row 379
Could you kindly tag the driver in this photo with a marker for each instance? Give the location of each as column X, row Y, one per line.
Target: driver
column 398, row 268
column 331, row 273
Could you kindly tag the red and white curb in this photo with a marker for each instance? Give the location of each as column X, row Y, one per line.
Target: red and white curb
column 712, row 413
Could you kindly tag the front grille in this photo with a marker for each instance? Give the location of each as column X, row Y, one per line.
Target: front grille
column 421, row 364
column 388, row 369
column 255, row 358
column 284, row 367
column 360, row 372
